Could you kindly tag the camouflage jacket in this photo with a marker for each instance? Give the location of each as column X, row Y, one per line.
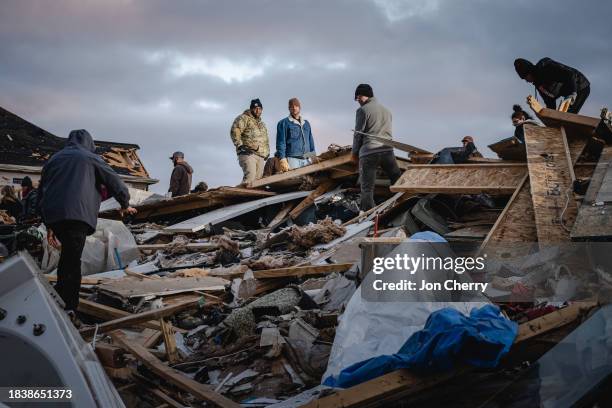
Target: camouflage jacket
column 251, row 133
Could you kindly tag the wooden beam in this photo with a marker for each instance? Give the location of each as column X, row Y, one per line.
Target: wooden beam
column 110, row 313
column 491, row 178
column 551, row 184
column 281, row 216
column 554, row 320
column 200, row 391
column 201, row 246
column 302, row 171
column 300, row 271
column 574, row 123
column 138, row 318
column 398, row 145
column 309, row 200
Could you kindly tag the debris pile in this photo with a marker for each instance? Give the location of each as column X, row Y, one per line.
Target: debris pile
column 240, row 294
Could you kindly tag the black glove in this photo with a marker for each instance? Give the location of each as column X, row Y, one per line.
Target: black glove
column 242, row 149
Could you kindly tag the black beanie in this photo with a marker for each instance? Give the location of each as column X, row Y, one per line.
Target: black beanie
column 26, row 182
column 364, row 90
column 523, row 67
column 255, row 103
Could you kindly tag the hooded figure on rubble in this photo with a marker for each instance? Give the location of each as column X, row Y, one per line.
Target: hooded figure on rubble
column 553, row 79
column 180, row 180
column 69, row 202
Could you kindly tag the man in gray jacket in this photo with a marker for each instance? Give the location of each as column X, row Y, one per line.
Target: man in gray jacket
column 372, row 119
column 69, row 202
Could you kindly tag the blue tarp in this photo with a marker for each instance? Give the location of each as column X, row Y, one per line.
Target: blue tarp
column 449, row 337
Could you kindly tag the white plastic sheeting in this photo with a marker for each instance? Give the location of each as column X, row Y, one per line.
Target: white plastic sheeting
column 369, row 329
column 137, row 197
column 99, row 252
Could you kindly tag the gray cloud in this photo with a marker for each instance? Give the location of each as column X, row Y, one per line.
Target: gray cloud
column 173, row 75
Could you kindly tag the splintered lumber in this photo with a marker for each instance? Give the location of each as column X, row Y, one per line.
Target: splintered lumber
column 310, row 198
column 402, row 383
column 550, row 178
column 207, row 220
column 84, row 280
column 110, row 313
column 575, row 125
column 130, row 287
column 201, row 391
column 169, row 341
column 509, row 148
column 281, row 215
column 196, row 201
column 594, row 220
column 300, row 271
column 302, row 171
column 199, row 246
column 396, row 144
column 138, row 318
column 489, row 178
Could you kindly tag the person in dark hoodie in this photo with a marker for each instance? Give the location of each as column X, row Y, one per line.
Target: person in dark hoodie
column 29, row 196
column 553, row 80
column 180, row 180
column 69, row 202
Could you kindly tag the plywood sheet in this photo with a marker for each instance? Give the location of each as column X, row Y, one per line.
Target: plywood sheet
column 594, row 220
column 550, row 177
column 226, row 213
column 490, row 178
column 131, row 287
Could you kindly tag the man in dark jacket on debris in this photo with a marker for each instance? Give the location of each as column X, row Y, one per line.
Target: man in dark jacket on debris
column 372, row 119
column 180, row 180
column 29, row 197
column 457, row 155
column 553, row 80
column 69, row 201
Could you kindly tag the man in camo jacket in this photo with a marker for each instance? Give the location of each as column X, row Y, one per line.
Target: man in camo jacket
column 250, row 136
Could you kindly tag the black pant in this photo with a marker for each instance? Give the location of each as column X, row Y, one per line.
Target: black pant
column 367, row 172
column 581, row 97
column 72, row 236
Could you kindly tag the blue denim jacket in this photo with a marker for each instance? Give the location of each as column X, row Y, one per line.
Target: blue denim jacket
column 294, row 139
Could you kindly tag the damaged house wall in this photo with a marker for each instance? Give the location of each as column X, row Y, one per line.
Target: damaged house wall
column 25, row 148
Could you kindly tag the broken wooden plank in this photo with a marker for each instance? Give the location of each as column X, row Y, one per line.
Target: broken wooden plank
column 302, row 171
column 207, row 220
column 594, row 219
column 106, row 313
column 551, row 185
column 84, row 280
column 195, row 201
column 200, row 246
column 310, row 198
column 281, row 216
column 553, row 320
column 397, row 144
column 127, row 288
column 198, row 390
column 576, row 125
column 490, row 178
column 509, row 148
column 169, row 341
column 300, row 271
column 138, row 318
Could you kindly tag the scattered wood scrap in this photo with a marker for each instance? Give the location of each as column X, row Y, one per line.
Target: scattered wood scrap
column 198, row 390
column 132, row 287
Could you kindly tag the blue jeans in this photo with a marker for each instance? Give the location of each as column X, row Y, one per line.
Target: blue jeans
column 295, row 163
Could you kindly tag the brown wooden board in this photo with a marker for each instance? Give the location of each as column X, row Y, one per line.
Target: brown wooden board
column 310, row 198
column 551, row 183
column 105, row 313
column 302, row 171
column 136, row 319
column 195, row 201
column 200, row 391
column 594, row 220
column 131, row 287
column 575, row 125
column 490, row 178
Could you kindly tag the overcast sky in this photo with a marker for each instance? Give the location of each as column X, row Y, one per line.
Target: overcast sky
column 172, row 75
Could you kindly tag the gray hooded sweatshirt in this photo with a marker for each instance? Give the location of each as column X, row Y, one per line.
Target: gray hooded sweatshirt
column 70, row 183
